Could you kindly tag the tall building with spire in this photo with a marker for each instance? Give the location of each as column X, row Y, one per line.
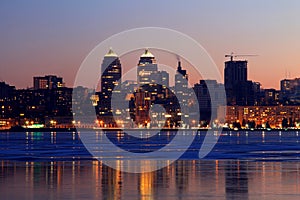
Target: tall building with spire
column 146, row 69
column 111, row 73
column 153, row 88
column 182, row 93
column 181, row 80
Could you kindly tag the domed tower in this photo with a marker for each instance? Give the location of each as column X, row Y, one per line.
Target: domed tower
column 111, row 73
column 146, row 69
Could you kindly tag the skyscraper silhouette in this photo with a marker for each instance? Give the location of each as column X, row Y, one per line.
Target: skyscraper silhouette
column 239, row 90
column 182, row 93
column 111, row 73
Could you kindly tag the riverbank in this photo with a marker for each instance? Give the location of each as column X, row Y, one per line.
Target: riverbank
column 52, row 129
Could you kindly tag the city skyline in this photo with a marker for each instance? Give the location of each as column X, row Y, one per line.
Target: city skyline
column 41, row 38
column 49, row 102
column 172, row 80
column 169, row 99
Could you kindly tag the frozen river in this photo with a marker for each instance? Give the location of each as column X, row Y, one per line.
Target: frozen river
column 242, row 165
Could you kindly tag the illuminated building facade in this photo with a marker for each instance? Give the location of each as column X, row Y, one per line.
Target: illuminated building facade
column 290, row 91
column 142, row 106
column 7, row 104
column 153, row 88
column 183, row 93
column 111, row 73
column 262, row 115
column 110, row 78
column 147, row 69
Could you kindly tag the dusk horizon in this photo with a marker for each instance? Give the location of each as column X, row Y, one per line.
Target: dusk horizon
column 168, row 58
column 54, row 38
column 150, row 100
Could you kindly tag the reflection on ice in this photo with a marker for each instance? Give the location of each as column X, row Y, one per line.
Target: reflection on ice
column 184, row 179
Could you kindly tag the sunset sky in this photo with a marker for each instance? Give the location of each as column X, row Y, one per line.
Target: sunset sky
column 53, row 37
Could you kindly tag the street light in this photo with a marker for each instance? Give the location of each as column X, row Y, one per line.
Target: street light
column 27, row 123
column 194, row 122
column 53, row 123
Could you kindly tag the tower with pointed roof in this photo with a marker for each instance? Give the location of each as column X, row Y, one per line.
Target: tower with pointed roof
column 146, row 69
column 182, row 92
column 111, row 73
column 181, row 81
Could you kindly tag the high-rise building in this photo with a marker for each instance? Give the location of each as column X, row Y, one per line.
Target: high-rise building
column 111, row 73
column 47, row 82
column 235, row 71
column 208, row 101
column 182, row 93
column 150, row 79
column 239, row 90
column 181, row 81
column 153, row 88
column 146, row 69
column 181, row 71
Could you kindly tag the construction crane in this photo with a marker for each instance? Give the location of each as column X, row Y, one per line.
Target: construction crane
column 232, row 55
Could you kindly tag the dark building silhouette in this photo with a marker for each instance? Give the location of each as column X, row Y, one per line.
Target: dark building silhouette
column 47, row 82
column 6, row 91
column 183, row 93
column 142, row 105
column 181, row 71
column 257, row 93
column 32, row 104
column 181, row 81
column 7, row 104
column 208, row 101
column 239, row 90
column 111, row 73
column 42, row 105
column 270, row 97
column 290, row 91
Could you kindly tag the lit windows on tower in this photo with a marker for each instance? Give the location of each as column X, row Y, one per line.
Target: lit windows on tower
column 111, row 73
column 146, row 69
